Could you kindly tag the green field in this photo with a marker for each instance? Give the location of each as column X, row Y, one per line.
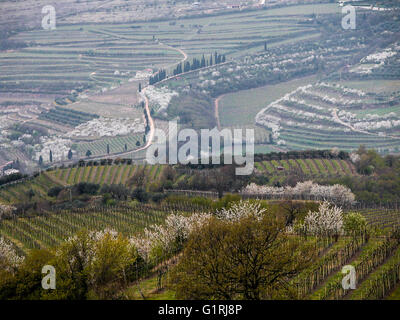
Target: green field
column 116, row 144
column 241, row 108
column 307, row 167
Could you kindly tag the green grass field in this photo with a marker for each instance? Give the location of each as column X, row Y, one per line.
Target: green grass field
column 241, row 108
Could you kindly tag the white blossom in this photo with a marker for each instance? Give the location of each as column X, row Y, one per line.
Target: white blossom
column 338, row 193
column 241, row 210
column 105, row 127
column 327, row 221
column 9, row 259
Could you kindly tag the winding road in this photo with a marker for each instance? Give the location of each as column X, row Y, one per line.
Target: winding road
column 216, row 106
column 147, row 102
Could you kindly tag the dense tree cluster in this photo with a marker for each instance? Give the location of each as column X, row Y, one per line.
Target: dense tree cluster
column 247, row 257
column 159, row 76
column 379, row 179
column 199, row 63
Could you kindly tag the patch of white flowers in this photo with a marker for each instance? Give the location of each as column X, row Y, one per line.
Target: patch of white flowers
column 5, row 210
column 354, row 157
column 142, row 75
column 327, row 221
column 241, row 210
column 85, row 251
column 58, row 146
column 379, row 57
column 375, row 60
column 177, row 228
column 160, row 97
column 337, row 192
column 343, row 89
column 9, row 259
column 107, row 127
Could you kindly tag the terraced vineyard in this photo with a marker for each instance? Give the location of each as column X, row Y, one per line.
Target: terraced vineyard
column 19, row 192
column 67, row 116
column 384, row 219
column 80, row 57
column 307, row 167
column 275, row 170
column 52, row 228
column 114, row 174
column 326, row 115
column 365, row 261
column 376, row 258
column 116, row 145
column 88, row 57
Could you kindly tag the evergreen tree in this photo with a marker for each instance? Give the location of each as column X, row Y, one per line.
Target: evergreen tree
column 140, row 87
column 70, row 154
column 31, row 194
column 40, row 161
column 271, row 139
column 203, row 61
column 88, row 153
column 186, row 67
column 51, row 156
column 108, row 149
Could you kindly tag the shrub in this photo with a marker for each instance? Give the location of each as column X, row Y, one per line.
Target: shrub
column 140, row 195
column 54, row 191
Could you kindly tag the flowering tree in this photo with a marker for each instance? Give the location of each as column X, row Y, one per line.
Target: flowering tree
column 94, row 260
column 248, row 259
column 303, row 190
column 170, row 237
column 6, row 210
column 327, row 221
column 9, row 259
column 241, row 210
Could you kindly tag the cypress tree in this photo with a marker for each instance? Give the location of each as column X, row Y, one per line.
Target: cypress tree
column 203, row 61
